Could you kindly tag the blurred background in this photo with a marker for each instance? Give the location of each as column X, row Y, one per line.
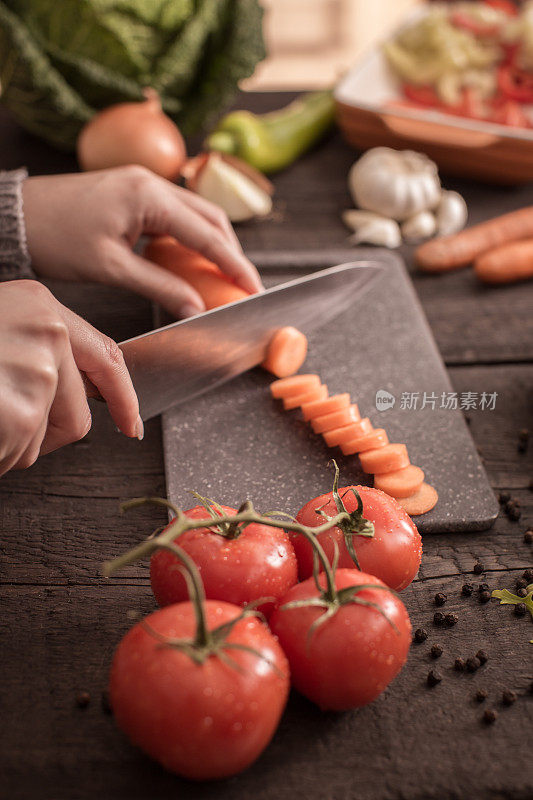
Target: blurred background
column 310, row 43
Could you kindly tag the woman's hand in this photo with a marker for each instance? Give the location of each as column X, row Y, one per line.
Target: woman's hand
column 83, row 227
column 45, row 349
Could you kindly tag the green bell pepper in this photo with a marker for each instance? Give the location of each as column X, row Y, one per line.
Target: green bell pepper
column 270, row 142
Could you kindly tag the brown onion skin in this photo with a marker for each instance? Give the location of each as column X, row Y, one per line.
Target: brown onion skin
column 133, row 133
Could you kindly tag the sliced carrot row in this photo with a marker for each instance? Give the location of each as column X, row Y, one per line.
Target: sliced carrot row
column 340, row 423
column 335, row 437
column 297, row 400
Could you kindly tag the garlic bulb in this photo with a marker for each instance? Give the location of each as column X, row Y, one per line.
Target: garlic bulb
column 379, row 231
column 241, row 191
column 420, row 226
column 451, row 213
column 394, row 183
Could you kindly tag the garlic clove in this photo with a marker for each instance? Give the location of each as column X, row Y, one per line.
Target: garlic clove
column 242, row 192
column 353, row 218
column 382, row 232
column 420, row 226
column 451, row 213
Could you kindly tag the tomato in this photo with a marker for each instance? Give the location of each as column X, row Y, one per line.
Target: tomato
column 393, row 554
column 259, row 562
column 201, row 720
column 348, row 659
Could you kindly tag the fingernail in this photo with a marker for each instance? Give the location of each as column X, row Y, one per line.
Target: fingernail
column 189, row 310
column 139, row 429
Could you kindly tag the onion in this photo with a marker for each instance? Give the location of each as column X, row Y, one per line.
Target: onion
column 238, row 188
column 133, row 133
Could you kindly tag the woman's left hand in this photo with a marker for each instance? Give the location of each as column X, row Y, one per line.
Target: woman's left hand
column 84, row 226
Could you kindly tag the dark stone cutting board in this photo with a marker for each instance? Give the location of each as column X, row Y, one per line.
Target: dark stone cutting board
column 236, row 443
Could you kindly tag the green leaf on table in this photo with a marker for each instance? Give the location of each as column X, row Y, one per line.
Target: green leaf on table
column 508, row 598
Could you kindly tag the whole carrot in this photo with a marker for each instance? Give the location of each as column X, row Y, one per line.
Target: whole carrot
column 450, row 252
column 506, row 264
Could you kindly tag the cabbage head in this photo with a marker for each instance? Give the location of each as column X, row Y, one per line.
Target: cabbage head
column 63, row 60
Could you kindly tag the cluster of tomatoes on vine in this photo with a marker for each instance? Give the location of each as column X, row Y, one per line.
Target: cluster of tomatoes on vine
column 252, row 604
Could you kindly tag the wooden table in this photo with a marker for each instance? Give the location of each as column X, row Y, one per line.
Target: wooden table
column 59, row 520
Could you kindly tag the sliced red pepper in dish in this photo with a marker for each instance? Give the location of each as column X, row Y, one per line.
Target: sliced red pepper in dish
column 467, row 23
column 515, row 83
column 422, row 95
column 469, row 106
column 503, row 5
column 508, row 112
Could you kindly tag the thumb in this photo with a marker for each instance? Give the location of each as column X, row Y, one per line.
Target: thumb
column 143, row 277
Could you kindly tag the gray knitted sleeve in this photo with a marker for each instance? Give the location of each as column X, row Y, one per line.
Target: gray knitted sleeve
column 14, row 256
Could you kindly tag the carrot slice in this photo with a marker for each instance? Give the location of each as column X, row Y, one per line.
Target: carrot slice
column 296, row 384
column 368, row 441
column 296, row 400
column 402, row 483
column 337, row 419
column 347, row 432
column 385, row 459
column 214, row 287
column 421, row 501
column 286, row 352
column 320, row 407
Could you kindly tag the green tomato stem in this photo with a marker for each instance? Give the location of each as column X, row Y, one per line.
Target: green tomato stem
column 182, row 523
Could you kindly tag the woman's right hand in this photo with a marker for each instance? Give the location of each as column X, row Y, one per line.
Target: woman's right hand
column 45, row 353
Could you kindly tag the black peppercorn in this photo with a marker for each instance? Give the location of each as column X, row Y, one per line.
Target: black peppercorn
column 438, row 618
column 420, row 635
column 528, row 575
column 484, row 596
column 451, row 619
column 440, row 599
column 482, row 656
column 513, row 511
column 504, row 498
column 436, row 651
column 490, row 716
column 479, row 568
column 83, row 699
column 528, row 537
column 521, row 583
column 508, row 697
column 459, row 664
column 483, row 587
column 467, row 589
column 481, row 695
column 473, row 664
column 520, row 610
column 434, row 677
column 521, row 592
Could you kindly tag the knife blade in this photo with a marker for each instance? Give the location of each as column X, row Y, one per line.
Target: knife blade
column 182, row 360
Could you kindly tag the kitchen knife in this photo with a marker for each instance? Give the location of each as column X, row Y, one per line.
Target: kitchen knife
column 175, row 363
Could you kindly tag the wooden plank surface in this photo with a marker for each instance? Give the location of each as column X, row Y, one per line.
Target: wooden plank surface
column 60, row 620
